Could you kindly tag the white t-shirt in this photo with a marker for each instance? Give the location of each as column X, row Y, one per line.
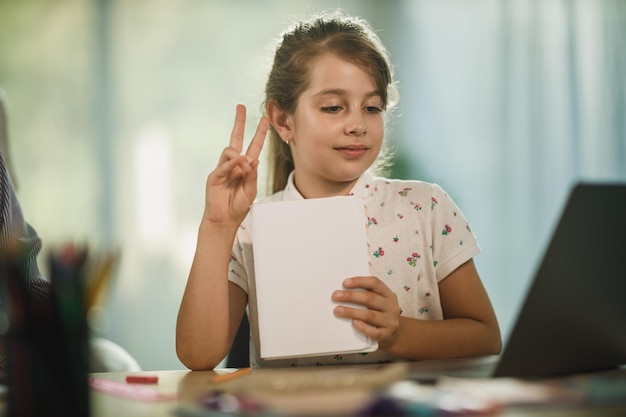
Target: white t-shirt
column 417, row 237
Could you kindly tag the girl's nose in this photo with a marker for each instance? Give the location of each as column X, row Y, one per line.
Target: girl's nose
column 357, row 125
column 358, row 130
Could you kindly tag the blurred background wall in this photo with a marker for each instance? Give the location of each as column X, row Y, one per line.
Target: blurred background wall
column 118, row 111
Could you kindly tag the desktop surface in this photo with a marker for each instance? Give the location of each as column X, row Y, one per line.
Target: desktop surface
column 349, row 390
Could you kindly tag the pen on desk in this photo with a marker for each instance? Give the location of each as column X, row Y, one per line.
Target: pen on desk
column 142, row 379
column 231, row 375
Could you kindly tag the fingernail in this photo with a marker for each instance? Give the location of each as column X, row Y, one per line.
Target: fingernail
column 340, row 310
column 338, row 295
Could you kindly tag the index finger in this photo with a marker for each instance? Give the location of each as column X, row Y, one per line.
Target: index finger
column 254, row 149
column 369, row 283
column 236, row 137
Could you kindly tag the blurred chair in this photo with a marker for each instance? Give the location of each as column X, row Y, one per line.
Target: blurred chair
column 239, row 355
column 108, row 356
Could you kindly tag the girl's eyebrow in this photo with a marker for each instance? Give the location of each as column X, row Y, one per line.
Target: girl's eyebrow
column 342, row 92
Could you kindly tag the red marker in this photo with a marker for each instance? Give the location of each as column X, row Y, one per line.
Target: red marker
column 142, row 379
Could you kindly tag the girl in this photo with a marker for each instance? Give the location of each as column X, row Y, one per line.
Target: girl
column 327, row 92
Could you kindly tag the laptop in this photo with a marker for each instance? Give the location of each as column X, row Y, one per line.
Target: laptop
column 573, row 318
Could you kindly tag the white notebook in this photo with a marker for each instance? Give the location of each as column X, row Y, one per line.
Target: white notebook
column 303, row 250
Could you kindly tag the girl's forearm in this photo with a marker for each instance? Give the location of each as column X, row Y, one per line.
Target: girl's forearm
column 203, row 325
column 437, row 339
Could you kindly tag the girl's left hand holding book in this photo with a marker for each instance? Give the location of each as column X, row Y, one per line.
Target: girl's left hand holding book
column 380, row 319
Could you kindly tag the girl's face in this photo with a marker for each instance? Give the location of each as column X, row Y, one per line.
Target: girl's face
column 337, row 129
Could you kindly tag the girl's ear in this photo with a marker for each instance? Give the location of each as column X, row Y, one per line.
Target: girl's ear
column 280, row 120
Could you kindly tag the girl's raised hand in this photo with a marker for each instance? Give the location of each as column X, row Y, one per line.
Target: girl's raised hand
column 232, row 187
column 380, row 320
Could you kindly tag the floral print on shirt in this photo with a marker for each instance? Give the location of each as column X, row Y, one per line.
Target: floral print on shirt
column 411, row 250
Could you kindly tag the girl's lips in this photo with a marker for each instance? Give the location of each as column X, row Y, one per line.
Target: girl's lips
column 352, row 152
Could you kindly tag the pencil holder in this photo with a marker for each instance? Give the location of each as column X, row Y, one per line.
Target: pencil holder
column 46, row 342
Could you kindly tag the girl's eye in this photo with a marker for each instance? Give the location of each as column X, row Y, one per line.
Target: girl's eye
column 373, row 109
column 331, row 109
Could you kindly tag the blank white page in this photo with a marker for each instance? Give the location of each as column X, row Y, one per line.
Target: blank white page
column 303, row 250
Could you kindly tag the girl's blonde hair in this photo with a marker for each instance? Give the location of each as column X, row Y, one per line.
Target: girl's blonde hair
column 352, row 39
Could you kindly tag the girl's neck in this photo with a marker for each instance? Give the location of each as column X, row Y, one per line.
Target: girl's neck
column 322, row 189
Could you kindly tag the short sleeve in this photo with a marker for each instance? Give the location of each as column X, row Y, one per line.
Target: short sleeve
column 454, row 242
column 241, row 257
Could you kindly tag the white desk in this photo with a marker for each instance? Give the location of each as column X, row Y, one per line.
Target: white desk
column 331, row 391
column 338, row 391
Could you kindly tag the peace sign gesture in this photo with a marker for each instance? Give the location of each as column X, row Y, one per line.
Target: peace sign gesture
column 232, row 187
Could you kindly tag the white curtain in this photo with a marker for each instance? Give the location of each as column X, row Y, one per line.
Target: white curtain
column 508, row 104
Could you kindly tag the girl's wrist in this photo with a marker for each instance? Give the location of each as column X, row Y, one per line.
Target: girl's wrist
column 227, row 226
